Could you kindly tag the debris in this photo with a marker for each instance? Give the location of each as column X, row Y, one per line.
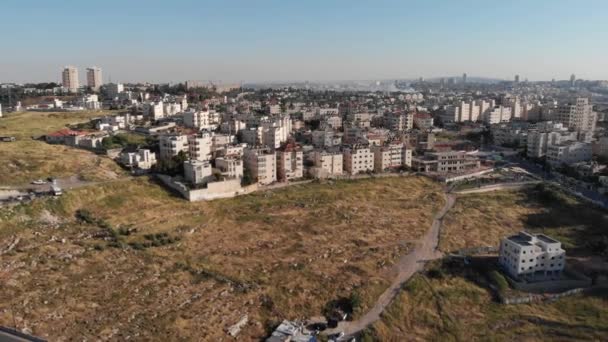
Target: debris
column 236, row 329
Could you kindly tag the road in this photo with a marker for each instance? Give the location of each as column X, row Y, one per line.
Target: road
column 424, row 250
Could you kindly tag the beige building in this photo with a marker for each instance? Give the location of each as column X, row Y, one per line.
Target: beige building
column 142, row 159
column 358, row 159
column 200, row 119
column 327, row 164
column 391, row 156
column 261, row 165
column 170, row 145
column 94, row 80
column 578, row 116
column 69, row 77
column 445, row 162
column 290, row 163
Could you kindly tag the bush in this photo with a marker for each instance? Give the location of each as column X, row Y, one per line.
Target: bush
column 84, row 215
column 499, row 280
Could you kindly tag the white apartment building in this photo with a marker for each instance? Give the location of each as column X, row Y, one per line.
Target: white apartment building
column 290, row 164
column 252, row 136
column 271, row 137
column 578, row 116
column 569, row 152
column 200, row 145
column 261, row 165
column 230, row 167
column 327, row 164
column 199, row 119
column 69, row 77
column 497, row 115
column 94, row 80
column 527, row 254
column 391, row 156
column 358, row 159
column 545, row 134
column 142, row 159
column 154, row 110
column 170, row 145
column 171, row 109
column 198, row 171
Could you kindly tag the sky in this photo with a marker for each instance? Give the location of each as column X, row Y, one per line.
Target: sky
column 314, row 40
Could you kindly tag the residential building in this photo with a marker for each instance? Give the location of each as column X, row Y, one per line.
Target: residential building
column 154, row 110
column 528, row 254
column 261, row 165
column 514, row 134
column 69, row 77
column 391, row 156
column 200, row 145
column 198, row 171
column 94, row 80
column 497, row 115
column 399, row 121
column 200, row 119
column 172, row 144
column 423, row 121
column 230, row 166
column 568, row 152
column 326, row 138
column 142, row 159
column 445, row 162
column 544, row 134
column 114, row 89
column 290, row 163
column 577, row 116
column 358, row 159
column 327, row 164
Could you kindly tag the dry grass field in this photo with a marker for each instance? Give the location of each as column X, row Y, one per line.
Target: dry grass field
column 455, row 309
column 482, row 219
column 452, row 307
column 26, row 159
column 147, row 265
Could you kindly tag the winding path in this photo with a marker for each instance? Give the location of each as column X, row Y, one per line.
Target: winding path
column 424, row 250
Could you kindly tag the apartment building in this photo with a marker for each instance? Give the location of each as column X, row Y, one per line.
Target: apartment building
column 358, row 159
column 199, row 119
column 290, row 163
column 577, row 116
column 198, row 171
column 69, row 78
column 497, row 115
column 200, row 145
column 528, row 254
column 94, row 80
column 391, row 156
column 327, row 164
column 398, row 122
column 326, row 138
column 568, row 152
column 445, row 162
column 154, row 110
column 423, row 121
column 511, row 133
column 172, row 144
column 261, row 164
column 230, row 166
column 545, row 134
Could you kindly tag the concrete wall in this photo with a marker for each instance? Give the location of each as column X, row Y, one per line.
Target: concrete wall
column 214, row 190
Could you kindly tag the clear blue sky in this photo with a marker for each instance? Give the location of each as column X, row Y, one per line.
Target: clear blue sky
column 258, row 40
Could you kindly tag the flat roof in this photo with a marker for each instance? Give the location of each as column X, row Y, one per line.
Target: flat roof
column 546, row 239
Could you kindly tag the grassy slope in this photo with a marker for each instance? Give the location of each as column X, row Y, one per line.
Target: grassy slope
column 297, row 248
column 26, row 159
column 461, row 310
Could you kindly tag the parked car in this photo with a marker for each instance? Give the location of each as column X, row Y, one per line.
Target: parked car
column 39, row 182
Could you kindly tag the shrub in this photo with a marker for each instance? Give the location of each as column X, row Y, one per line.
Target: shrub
column 85, row 216
column 499, row 280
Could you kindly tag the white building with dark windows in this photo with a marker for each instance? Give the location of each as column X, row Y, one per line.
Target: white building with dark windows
column 535, row 255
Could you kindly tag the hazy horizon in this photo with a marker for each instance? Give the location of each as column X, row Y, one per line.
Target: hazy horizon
column 278, row 41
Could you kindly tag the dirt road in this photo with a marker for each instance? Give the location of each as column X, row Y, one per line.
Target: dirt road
column 425, row 249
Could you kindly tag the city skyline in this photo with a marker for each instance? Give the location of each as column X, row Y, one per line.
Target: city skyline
column 314, row 41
